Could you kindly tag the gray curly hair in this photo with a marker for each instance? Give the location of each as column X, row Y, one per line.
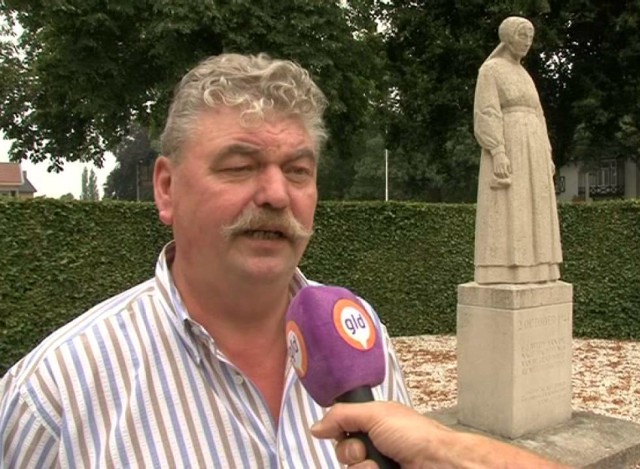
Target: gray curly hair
column 256, row 84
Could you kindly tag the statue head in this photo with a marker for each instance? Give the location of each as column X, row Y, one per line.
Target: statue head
column 516, row 33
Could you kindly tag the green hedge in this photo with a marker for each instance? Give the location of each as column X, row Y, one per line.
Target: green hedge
column 59, row 258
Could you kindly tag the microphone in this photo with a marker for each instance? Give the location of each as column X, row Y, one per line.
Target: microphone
column 336, row 350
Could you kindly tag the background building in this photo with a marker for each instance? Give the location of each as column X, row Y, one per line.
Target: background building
column 14, row 182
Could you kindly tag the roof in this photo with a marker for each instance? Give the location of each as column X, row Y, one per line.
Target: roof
column 10, row 174
column 26, row 185
column 13, row 178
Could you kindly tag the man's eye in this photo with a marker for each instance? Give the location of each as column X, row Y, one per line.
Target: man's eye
column 299, row 172
column 238, row 169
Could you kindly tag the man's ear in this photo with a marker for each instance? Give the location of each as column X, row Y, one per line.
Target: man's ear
column 162, row 179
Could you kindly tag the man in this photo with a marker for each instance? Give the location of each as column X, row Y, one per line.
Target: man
column 189, row 369
column 416, row 441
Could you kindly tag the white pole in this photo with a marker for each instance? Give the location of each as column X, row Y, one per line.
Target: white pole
column 586, row 187
column 386, row 175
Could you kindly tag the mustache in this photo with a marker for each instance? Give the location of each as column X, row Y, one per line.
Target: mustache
column 253, row 219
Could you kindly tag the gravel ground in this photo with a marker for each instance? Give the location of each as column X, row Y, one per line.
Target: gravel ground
column 605, row 374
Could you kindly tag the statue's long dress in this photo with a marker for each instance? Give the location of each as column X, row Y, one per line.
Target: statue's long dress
column 517, row 232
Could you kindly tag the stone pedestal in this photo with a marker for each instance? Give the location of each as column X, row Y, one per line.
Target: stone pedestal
column 587, row 441
column 514, row 351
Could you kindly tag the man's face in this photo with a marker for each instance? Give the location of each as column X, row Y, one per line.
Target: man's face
column 226, row 170
column 521, row 40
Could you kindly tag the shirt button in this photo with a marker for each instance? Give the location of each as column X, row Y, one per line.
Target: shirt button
column 238, row 379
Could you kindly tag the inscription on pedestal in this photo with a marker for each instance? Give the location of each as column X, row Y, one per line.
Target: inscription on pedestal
column 543, row 355
column 561, row 319
column 545, row 393
column 544, row 358
column 514, row 357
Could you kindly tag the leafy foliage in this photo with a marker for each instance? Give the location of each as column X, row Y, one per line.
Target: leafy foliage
column 86, row 252
column 89, row 189
column 601, row 245
column 399, row 74
column 131, row 178
column 591, row 78
column 585, row 61
column 405, row 258
column 88, row 70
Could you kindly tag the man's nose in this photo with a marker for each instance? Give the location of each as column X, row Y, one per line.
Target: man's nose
column 273, row 188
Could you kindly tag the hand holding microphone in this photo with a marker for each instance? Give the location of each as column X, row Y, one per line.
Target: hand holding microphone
column 336, row 350
column 395, row 429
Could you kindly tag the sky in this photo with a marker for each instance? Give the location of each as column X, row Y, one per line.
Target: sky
column 57, row 184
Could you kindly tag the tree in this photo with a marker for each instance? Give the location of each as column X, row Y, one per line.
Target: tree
column 84, row 73
column 585, row 62
column 590, row 76
column 131, row 178
column 89, row 189
column 86, row 70
column 369, row 180
column 435, row 50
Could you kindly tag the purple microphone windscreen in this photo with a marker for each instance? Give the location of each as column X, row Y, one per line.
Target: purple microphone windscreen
column 333, row 343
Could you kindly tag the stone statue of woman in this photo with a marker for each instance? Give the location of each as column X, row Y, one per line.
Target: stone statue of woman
column 517, row 236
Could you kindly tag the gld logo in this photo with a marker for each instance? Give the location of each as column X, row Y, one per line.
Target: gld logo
column 297, row 348
column 354, row 324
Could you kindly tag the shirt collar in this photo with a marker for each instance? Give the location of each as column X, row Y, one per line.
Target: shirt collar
column 177, row 311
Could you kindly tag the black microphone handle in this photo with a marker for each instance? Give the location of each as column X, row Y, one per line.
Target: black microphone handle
column 364, row 394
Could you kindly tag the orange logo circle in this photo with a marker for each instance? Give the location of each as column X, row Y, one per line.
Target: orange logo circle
column 297, row 348
column 354, row 324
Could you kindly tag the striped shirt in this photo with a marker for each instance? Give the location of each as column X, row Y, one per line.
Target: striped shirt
column 134, row 382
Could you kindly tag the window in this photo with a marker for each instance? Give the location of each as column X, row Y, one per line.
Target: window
column 607, row 181
column 606, row 175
